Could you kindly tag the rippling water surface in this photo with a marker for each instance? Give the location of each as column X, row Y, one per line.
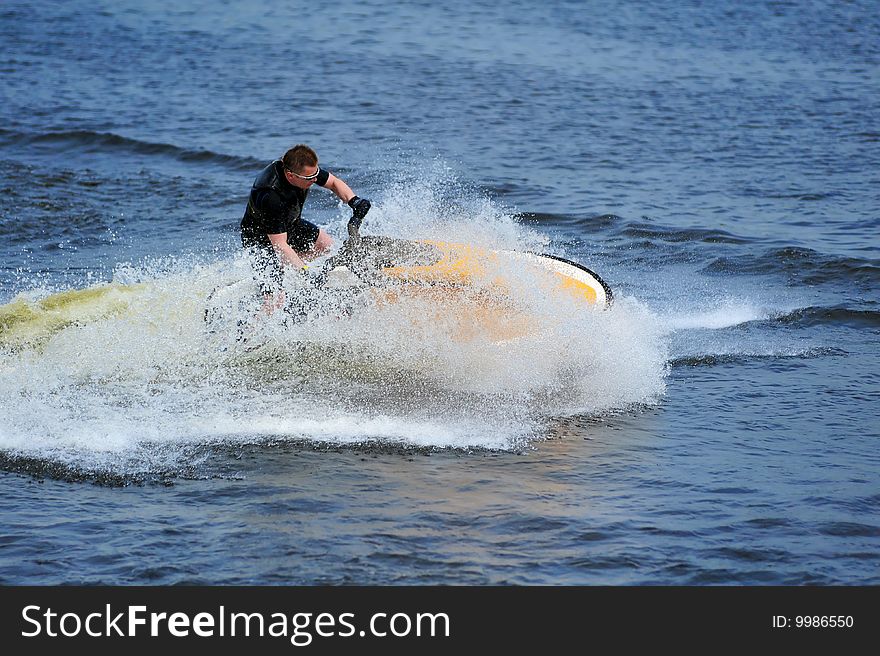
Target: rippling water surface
column 715, row 162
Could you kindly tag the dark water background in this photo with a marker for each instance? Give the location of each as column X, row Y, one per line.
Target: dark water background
column 716, row 162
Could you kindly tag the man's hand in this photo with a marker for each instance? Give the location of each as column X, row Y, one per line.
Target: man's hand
column 360, row 206
column 307, row 275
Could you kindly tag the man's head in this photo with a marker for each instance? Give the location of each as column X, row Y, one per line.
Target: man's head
column 300, row 166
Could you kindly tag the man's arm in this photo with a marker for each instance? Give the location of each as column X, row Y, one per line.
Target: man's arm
column 287, row 255
column 360, row 206
column 339, row 188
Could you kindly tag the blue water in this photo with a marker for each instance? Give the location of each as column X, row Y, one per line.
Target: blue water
column 716, row 162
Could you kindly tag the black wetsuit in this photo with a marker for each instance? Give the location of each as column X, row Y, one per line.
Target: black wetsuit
column 275, row 206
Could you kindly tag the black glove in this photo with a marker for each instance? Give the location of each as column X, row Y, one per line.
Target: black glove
column 360, row 206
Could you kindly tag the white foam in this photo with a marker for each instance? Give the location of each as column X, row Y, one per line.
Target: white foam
column 728, row 313
column 150, row 379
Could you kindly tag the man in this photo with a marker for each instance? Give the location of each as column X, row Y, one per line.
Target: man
column 273, row 228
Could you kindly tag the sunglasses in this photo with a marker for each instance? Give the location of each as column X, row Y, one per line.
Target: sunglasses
column 313, row 176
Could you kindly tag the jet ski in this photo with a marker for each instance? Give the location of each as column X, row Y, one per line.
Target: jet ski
column 467, row 286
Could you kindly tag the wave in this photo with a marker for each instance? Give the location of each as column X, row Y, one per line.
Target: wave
column 838, row 315
column 41, row 468
column 800, row 265
column 107, row 141
column 145, row 465
column 671, row 234
column 713, row 359
column 599, row 222
column 800, row 195
column 617, row 226
column 803, row 265
column 737, row 314
column 731, row 313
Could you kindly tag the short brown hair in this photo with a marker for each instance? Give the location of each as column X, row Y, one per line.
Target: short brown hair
column 299, row 157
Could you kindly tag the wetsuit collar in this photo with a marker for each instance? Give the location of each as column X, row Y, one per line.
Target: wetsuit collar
column 282, row 179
